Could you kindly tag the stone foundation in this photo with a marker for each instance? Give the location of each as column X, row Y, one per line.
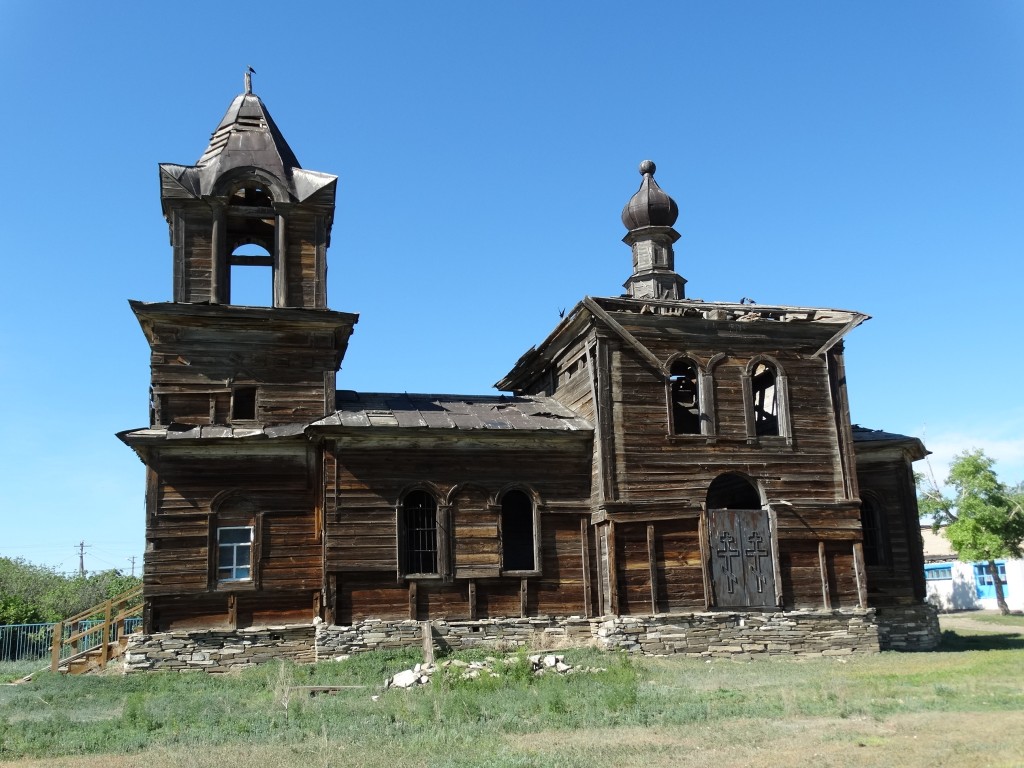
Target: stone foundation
column 730, row 635
column 219, row 650
column 909, row 628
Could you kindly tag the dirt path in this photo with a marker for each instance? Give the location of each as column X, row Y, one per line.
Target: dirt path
column 966, row 621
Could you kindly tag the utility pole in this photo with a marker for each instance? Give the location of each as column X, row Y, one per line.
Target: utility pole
column 81, row 558
column 132, row 561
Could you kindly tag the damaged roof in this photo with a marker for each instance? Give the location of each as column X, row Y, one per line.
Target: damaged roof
column 878, row 438
column 454, row 412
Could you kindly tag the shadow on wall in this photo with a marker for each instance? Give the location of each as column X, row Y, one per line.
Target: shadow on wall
column 957, row 594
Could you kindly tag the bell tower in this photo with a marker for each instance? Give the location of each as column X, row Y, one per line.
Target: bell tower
column 247, row 206
column 248, row 189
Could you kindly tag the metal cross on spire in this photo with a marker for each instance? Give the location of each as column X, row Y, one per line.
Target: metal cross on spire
column 249, row 72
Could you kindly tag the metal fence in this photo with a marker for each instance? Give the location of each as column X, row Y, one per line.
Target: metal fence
column 21, row 642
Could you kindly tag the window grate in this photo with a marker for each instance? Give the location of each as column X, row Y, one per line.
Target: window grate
column 420, row 517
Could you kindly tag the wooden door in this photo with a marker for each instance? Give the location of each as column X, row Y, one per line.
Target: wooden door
column 742, row 572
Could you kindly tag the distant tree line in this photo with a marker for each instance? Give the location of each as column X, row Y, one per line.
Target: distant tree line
column 34, row 594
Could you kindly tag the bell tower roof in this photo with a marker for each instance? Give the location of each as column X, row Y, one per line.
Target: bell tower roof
column 246, row 139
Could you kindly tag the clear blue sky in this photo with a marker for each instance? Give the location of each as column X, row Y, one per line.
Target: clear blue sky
column 863, row 155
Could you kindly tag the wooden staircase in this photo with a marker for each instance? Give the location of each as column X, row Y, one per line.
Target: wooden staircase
column 88, row 641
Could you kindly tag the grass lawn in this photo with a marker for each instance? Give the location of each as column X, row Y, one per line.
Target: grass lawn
column 994, row 617
column 960, row 707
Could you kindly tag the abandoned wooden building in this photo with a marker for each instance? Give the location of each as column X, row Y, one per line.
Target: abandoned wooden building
column 653, row 456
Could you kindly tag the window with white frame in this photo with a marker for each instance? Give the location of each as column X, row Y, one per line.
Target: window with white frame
column 234, row 553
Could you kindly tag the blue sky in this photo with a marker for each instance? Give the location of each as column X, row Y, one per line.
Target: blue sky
column 865, row 156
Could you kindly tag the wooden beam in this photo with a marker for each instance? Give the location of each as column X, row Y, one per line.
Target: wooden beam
column 233, row 611
column 645, row 354
column 413, row 610
column 652, row 564
column 585, row 545
column 523, row 598
column 472, row 599
column 331, row 599
column 826, row 597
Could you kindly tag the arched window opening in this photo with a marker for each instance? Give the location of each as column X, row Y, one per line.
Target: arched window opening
column 251, row 238
column 251, row 283
column 419, row 521
column 873, row 527
column 732, row 491
column 684, row 393
column 765, row 400
column 517, row 532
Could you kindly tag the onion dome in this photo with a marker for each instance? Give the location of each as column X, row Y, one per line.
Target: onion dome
column 650, row 206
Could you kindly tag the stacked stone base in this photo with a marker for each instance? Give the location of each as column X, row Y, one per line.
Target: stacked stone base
column 909, row 628
column 718, row 634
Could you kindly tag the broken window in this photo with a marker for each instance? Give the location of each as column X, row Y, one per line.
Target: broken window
column 518, row 547
column 243, row 404
column 764, row 388
column 733, row 491
column 873, row 528
column 684, row 396
column 419, row 525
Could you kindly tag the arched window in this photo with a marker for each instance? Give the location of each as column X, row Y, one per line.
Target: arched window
column 733, row 491
column 419, row 533
column 684, row 398
column 765, row 400
column 518, row 532
column 872, row 523
column 765, row 394
column 250, row 283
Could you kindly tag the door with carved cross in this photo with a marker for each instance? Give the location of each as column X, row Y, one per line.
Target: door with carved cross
column 742, row 572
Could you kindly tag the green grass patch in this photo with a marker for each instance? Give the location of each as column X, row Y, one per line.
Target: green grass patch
column 1010, row 620
column 454, row 721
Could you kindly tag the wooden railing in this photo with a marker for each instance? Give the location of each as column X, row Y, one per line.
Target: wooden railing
column 92, row 631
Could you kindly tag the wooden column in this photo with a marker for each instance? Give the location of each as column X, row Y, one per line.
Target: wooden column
column 585, row 542
column 705, row 559
column 472, row 599
column 826, row 597
column 280, row 261
column 860, row 573
column 233, row 611
column 523, row 598
column 652, row 564
column 220, row 277
column 613, row 572
column 413, row 610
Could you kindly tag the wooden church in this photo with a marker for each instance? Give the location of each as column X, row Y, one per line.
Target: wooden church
column 653, row 455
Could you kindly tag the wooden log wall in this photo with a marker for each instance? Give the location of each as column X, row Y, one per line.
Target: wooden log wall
column 361, row 530
column 277, row 484
column 898, row 578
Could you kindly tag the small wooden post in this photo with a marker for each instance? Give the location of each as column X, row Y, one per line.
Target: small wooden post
column 705, row 558
column 233, row 611
column 652, row 564
column 522, row 598
column 58, row 640
column 826, row 597
column 413, row 610
column 428, row 641
column 472, row 599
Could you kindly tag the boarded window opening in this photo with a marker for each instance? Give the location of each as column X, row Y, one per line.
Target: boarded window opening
column 766, row 402
column 419, row 517
column 517, row 534
column 243, row 404
column 685, row 398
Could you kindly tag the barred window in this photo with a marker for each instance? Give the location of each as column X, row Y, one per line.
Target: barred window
column 419, row 518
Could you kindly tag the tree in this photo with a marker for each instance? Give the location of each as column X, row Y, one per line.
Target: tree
column 31, row 594
column 983, row 520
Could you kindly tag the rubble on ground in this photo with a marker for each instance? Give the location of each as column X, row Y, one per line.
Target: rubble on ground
column 540, row 664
